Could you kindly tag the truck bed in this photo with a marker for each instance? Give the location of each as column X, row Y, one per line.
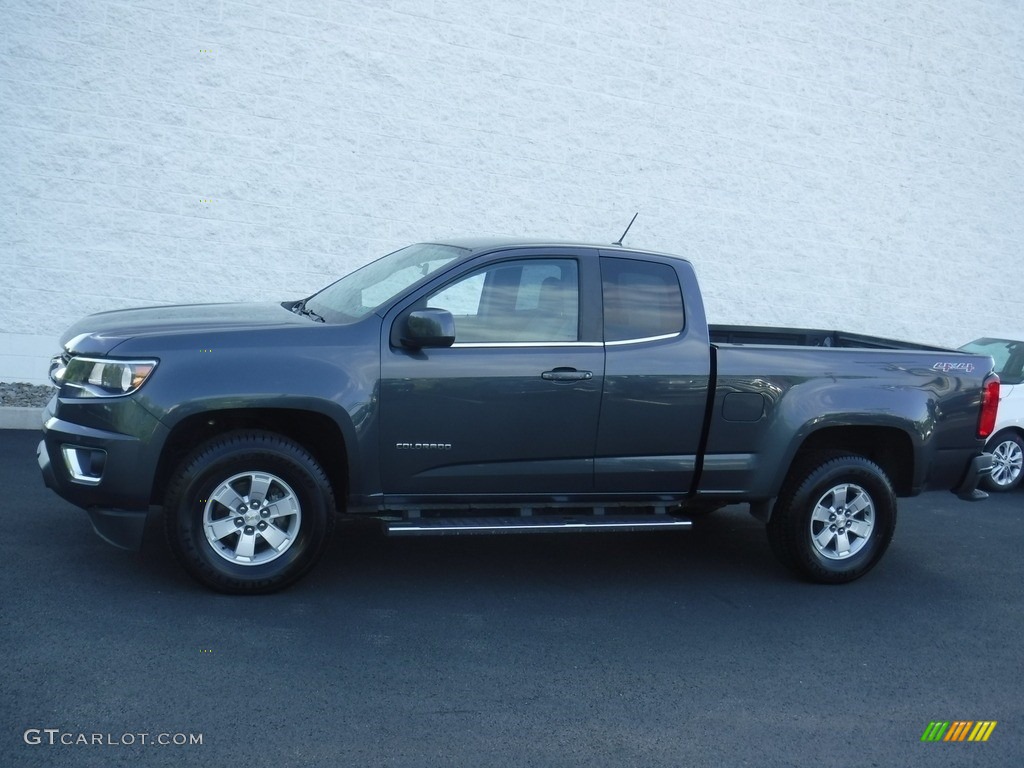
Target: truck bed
column 806, row 337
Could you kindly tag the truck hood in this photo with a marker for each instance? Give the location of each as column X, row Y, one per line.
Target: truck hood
column 98, row 334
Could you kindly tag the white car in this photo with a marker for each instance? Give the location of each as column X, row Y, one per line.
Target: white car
column 1007, row 442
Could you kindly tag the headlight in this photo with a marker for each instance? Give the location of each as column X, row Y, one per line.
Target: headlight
column 58, row 366
column 93, row 377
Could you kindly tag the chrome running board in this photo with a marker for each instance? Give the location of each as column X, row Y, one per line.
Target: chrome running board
column 438, row 526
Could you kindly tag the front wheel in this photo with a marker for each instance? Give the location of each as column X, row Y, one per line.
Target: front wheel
column 249, row 512
column 1007, row 449
column 834, row 518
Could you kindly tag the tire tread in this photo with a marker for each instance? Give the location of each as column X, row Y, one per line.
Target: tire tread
column 238, row 445
column 786, row 528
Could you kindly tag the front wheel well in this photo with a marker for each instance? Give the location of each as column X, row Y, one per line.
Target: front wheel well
column 315, row 432
column 890, row 448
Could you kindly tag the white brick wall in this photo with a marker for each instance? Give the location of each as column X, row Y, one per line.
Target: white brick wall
column 830, row 164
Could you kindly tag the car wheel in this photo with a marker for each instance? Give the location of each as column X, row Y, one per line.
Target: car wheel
column 249, row 512
column 834, row 518
column 1007, row 449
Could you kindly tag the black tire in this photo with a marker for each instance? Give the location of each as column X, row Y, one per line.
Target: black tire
column 832, row 501
column 286, row 500
column 1007, row 449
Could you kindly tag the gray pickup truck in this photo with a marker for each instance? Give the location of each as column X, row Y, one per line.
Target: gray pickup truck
column 486, row 386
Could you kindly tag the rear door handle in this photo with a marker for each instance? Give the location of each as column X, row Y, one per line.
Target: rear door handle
column 566, row 374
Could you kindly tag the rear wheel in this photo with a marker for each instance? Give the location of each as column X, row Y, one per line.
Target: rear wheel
column 249, row 512
column 1007, row 449
column 834, row 518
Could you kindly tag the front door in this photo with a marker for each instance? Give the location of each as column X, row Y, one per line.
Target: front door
column 512, row 407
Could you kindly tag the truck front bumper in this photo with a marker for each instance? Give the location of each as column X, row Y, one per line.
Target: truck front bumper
column 107, row 473
column 120, row 527
column 980, row 466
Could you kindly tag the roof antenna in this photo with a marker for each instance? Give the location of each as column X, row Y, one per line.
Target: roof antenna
column 619, row 241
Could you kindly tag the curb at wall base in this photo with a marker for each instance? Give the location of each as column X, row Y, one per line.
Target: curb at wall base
column 19, row 417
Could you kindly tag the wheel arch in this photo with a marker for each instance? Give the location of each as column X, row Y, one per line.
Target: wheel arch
column 891, row 448
column 1015, row 429
column 317, row 432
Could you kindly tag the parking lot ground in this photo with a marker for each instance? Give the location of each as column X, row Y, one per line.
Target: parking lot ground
column 670, row 649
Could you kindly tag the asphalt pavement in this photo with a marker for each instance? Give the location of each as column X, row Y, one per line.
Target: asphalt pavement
column 648, row 649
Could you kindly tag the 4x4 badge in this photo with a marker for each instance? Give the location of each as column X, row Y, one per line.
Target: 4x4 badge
column 947, row 367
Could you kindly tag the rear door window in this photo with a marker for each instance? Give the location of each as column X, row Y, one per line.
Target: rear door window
column 642, row 300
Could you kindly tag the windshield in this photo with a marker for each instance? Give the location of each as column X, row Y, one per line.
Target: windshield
column 358, row 294
column 1007, row 354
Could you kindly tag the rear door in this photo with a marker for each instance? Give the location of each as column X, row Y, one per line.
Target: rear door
column 511, row 409
column 657, row 371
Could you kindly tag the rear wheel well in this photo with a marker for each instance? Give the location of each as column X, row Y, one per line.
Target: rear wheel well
column 315, row 432
column 888, row 447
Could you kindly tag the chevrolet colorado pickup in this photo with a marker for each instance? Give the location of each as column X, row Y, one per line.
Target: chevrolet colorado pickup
column 499, row 386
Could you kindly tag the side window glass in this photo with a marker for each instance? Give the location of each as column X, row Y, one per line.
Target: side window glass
column 641, row 299
column 518, row 301
column 1012, row 370
column 535, row 277
column 463, row 298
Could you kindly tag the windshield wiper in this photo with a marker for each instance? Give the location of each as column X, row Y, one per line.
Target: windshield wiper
column 301, row 309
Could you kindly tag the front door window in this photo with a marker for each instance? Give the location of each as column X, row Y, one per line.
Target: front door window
column 515, row 302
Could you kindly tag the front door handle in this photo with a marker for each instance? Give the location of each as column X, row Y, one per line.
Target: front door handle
column 566, row 374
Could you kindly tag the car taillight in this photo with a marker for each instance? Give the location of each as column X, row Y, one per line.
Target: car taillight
column 989, row 406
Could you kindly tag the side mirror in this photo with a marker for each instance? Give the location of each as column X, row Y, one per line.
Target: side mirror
column 429, row 328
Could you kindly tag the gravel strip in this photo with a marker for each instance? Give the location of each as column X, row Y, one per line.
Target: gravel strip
column 26, row 395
